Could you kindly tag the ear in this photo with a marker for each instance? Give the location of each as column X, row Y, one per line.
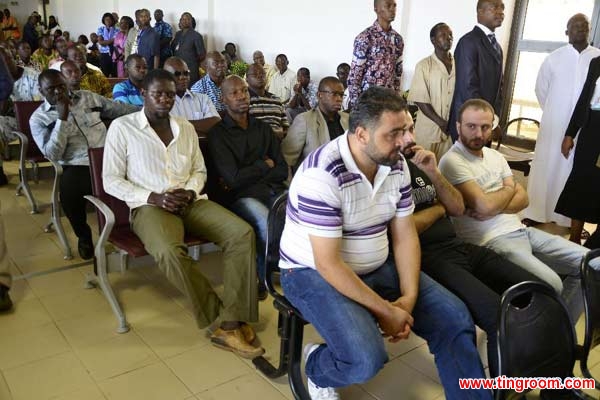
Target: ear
column 457, row 126
column 362, row 135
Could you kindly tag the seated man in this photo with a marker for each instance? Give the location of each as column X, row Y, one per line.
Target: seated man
column 259, row 58
column 72, row 75
column 493, row 200
column 45, row 52
column 317, row 126
column 248, row 164
column 195, row 107
column 64, row 127
column 335, row 266
column 264, row 106
column 303, row 96
column 129, row 91
column 169, row 202
column 210, row 84
column 91, row 79
column 475, row 274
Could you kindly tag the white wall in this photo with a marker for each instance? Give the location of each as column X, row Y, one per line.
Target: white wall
column 317, row 34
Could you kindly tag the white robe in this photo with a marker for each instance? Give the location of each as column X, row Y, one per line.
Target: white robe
column 559, row 83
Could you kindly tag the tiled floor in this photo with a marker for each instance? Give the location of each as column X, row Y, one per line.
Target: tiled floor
column 60, row 343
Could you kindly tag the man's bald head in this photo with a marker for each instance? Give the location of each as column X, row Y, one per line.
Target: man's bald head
column 216, row 66
column 578, row 30
column 235, row 95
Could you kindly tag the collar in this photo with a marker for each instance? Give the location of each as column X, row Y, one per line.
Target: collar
column 348, row 159
column 379, row 28
column 230, row 122
column 141, row 121
column 485, row 29
column 187, row 93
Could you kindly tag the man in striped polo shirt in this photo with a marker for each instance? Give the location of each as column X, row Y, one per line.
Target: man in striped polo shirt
column 337, row 268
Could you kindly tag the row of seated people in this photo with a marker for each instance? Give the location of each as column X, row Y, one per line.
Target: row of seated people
column 330, row 229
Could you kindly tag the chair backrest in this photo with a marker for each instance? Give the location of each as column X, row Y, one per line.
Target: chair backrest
column 23, row 112
column 275, row 224
column 118, row 207
column 535, row 334
column 519, row 142
column 590, row 281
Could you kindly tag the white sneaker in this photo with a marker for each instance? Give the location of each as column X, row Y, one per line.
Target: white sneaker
column 316, row 392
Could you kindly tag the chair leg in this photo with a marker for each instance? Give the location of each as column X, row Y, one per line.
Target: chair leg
column 295, row 373
column 24, row 187
column 102, row 280
column 264, row 366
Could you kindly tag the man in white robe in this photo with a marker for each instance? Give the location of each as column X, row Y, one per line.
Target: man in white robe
column 559, row 83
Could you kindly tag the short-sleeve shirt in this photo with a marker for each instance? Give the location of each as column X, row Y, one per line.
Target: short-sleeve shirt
column 330, row 197
column 106, row 34
column 209, row 88
column 126, row 92
column 193, row 106
column 164, row 30
column 458, row 165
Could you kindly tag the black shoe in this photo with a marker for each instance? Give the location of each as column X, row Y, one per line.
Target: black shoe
column 86, row 249
column 263, row 293
column 5, row 301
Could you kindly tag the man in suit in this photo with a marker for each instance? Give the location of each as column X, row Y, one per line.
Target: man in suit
column 478, row 59
column 318, row 126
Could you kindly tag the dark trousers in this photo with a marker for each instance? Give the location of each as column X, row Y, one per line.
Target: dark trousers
column 478, row 276
column 107, row 65
column 74, row 184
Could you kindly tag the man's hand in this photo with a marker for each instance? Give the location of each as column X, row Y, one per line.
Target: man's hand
column 62, row 106
column 567, row 145
column 406, row 303
column 424, row 160
column 174, row 201
column 297, row 88
column 269, row 162
column 396, row 323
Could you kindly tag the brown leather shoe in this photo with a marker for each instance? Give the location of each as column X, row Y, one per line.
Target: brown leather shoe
column 234, row 341
column 248, row 332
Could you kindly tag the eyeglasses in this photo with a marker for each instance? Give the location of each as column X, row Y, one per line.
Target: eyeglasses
column 180, row 73
column 332, row 93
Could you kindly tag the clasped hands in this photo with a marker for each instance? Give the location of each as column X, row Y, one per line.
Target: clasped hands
column 174, row 200
column 396, row 322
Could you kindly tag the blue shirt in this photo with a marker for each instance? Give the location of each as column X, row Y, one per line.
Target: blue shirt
column 126, row 92
column 164, row 30
column 106, row 34
column 148, row 45
column 209, row 88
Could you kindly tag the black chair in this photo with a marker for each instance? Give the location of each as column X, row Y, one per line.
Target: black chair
column 535, row 334
column 290, row 324
column 518, row 156
column 590, row 280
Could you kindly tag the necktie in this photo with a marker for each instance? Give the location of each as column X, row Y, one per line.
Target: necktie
column 494, row 43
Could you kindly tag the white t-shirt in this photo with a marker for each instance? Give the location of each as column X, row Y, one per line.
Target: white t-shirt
column 458, row 165
column 330, row 197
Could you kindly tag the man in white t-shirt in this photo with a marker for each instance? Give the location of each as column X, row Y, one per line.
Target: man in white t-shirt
column 337, row 268
column 493, row 200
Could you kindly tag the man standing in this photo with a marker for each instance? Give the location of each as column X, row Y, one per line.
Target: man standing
column 336, row 267
column 248, row 163
column 129, row 91
column 148, row 41
column 189, row 46
column 165, row 34
column 478, row 58
column 377, row 56
column 169, row 202
column 282, row 82
column 493, row 200
column 431, row 89
column 558, row 86
column 64, row 127
column 264, row 106
column 210, row 84
column 342, row 72
column 197, row 108
column 318, row 126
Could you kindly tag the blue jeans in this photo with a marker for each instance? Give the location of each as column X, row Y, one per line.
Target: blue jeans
column 354, row 351
column 255, row 213
column 547, row 256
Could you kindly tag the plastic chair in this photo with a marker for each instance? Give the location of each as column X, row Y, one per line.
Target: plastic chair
column 30, row 153
column 290, row 324
column 517, row 158
column 535, row 339
column 113, row 222
column 590, row 280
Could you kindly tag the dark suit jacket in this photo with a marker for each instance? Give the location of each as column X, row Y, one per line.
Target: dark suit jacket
column 478, row 74
column 581, row 113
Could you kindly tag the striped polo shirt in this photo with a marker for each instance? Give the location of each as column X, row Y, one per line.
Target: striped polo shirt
column 330, row 197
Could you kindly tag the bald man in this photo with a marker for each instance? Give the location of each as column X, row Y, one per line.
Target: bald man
column 251, row 169
column 210, row 84
column 259, row 58
column 195, row 107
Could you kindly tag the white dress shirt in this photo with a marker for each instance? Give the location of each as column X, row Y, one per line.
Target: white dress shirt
column 194, row 106
column 137, row 163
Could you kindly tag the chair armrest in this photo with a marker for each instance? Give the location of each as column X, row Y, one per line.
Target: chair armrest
column 109, row 218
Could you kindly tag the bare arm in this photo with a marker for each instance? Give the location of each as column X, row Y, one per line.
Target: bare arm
column 519, row 201
column 425, row 218
column 486, row 204
column 326, row 251
column 430, row 113
column 407, row 255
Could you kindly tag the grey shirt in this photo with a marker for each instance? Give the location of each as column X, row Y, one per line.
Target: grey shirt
column 189, row 46
column 68, row 141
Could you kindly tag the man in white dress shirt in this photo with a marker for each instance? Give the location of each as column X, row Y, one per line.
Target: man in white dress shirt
column 195, row 107
column 559, row 83
column 153, row 162
column 282, row 82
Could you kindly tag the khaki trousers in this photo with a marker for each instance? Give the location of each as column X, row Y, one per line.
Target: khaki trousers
column 162, row 234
